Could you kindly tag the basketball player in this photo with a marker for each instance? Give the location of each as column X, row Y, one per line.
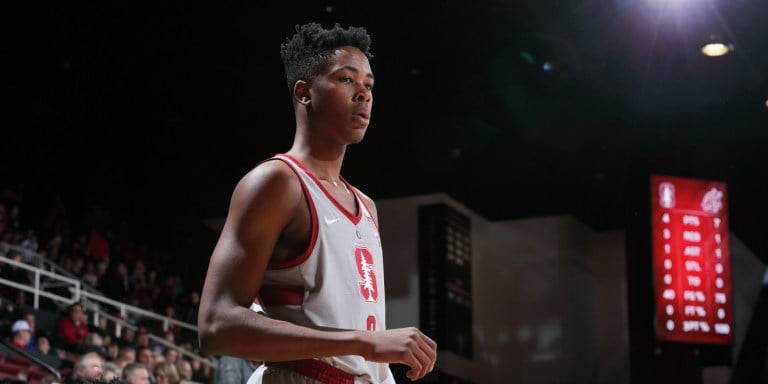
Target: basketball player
column 295, row 281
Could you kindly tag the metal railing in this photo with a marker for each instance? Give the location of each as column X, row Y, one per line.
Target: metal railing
column 95, row 302
column 33, row 258
column 120, row 323
column 37, row 288
column 127, row 311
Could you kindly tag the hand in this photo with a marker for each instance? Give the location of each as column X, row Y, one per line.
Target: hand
column 407, row 346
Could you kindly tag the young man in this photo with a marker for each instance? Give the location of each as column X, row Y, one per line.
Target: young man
column 300, row 246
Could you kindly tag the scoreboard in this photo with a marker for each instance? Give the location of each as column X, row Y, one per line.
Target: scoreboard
column 691, row 260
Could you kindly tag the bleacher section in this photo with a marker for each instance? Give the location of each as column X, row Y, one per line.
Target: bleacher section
column 57, row 290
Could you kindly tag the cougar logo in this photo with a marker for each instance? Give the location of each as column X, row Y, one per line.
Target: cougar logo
column 712, row 201
column 368, row 286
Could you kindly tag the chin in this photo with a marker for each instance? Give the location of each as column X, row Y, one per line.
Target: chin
column 358, row 136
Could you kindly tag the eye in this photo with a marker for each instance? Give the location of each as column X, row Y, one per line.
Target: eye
column 369, row 87
column 346, row 79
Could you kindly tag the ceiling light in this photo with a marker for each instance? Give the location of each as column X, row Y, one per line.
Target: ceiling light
column 716, row 47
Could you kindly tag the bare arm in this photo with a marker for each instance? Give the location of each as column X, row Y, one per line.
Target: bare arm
column 263, row 203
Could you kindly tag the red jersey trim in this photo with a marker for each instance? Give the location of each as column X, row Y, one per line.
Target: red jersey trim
column 362, row 203
column 313, row 214
column 353, row 218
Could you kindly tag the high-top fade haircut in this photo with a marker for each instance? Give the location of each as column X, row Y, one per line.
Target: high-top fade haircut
column 311, row 48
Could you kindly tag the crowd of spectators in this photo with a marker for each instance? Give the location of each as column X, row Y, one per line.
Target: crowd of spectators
column 123, row 270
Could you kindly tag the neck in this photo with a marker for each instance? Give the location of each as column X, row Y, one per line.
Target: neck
column 313, row 143
column 325, row 167
column 337, row 184
column 329, row 170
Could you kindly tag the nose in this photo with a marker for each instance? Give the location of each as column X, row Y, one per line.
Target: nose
column 363, row 95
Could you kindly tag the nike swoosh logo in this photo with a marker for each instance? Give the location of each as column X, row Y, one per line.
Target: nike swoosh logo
column 330, row 221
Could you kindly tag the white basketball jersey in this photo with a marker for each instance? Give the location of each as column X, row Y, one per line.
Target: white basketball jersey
column 338, row 281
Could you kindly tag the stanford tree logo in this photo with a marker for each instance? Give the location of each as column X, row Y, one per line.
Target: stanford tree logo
column 368, row 287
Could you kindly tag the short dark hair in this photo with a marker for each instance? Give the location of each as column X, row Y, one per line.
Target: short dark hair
column 311, row 48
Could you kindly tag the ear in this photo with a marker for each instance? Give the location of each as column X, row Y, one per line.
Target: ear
column 301, row 92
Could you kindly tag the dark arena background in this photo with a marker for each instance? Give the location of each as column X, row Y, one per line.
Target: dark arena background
column 522, row 154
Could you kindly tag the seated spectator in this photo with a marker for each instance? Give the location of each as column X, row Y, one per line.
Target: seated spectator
column 30, row 318
column 112, row 349
column 136, row 373
column 192, row 307
column 117, row 283
column 72, row 328
column 158, row 358
column 89, row 275
column 185, row 370
column 9, row 313
column 165, row 373
column 101, row 271
column 43, row 346
column 98, row 246
column 21, row 333
column 30, row 243
column 233, row 370
column 174, row 329
column 80, row 247
column 142, row 338
column 168, row 336
column 127, row 338
column 45, row 352
column 78, row 267
column 111, row 372
column 128, row 353
column 121, row 362
column 171, row 355
column 13, row 273
column 87, row 369
column 200, row 372
column 145, row 356
column 93, row 342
